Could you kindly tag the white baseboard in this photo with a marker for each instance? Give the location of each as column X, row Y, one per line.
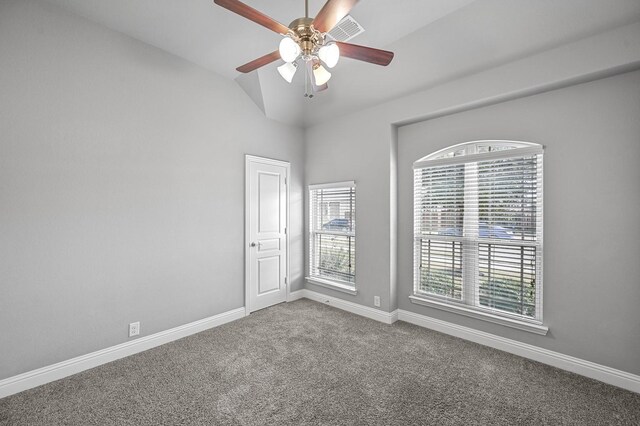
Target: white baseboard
column 72, row 366
column 295, row 295
column 565, row 362
column 63, row 369
column 365, row 311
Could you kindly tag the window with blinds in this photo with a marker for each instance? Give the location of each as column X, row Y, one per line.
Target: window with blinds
column 332, row 245
column 478, row 228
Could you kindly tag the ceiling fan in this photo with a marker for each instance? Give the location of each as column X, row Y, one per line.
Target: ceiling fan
column 305, row 41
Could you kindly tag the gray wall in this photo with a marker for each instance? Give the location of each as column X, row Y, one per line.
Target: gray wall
column 107, row 217
column 330, row 157
column 591, row 134
column 363, row 146
column 121, row 187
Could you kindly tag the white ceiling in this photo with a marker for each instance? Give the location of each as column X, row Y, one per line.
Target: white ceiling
column 434, row 41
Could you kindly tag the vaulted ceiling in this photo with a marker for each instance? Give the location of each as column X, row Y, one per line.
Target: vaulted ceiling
column 435, row 41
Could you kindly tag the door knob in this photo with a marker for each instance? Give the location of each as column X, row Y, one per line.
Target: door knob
column 253, row 244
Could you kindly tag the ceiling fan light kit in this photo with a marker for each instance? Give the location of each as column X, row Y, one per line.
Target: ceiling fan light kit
column 305, row 39
column 329, row 54
column 320, row 75
column 289, row 49
column 288, row 70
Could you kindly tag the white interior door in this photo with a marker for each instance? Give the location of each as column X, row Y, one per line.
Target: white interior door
column 266, row 231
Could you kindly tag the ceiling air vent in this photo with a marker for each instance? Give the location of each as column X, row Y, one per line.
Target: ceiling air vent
column 346, row 29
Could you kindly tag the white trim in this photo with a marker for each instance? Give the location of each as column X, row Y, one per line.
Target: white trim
column 473, row 145
column 473, row 158
column 333, row 285
column 265, row 160
column 287, row 184
column 344, row 184
column 57, row 371
column 485, row 316
column 295, row 295
column 247, row 267
column 585, row 368
column 354, row 308
column 247, row 231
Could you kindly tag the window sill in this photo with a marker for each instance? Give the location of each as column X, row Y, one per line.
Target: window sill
column 333, row 285
column 484, row 316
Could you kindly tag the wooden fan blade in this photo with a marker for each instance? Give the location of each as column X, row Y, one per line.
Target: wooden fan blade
column 252, row 14
column 363, row 53
column 331, row 13
column 260, row 62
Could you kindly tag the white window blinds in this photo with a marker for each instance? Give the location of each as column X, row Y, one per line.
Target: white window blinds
column 332, row 245
column 439, row 219
column 478, row 228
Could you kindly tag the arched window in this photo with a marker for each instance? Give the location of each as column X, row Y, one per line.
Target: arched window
column 478, row 230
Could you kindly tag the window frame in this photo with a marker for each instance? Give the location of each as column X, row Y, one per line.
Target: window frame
column 470, row 154
column 335, row 284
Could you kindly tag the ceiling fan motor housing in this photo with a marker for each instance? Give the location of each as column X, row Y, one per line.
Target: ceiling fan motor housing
column 308, row 38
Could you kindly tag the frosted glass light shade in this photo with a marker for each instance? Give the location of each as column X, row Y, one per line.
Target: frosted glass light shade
column 289, row 49
column 287, row 71
column 321, row 75
column 329, row 54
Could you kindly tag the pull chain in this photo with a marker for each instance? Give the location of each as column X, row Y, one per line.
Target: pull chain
column 308, row 84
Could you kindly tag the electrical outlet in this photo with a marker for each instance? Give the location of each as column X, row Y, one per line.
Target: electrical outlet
column 134, row 329
column 376, row 301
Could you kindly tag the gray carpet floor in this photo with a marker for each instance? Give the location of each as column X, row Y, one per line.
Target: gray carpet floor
column 308, row 363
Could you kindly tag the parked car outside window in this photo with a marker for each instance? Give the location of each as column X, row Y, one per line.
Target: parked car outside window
column 485, row 231
column 337, row 225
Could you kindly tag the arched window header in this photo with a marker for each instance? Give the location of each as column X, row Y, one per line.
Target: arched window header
column 478, row 150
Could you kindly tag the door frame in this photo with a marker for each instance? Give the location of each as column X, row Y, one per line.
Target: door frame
column 247, row 201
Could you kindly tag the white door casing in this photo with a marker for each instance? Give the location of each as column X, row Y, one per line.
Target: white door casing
column 266, row 218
